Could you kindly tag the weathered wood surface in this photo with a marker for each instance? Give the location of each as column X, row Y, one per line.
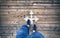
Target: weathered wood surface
column 13, row 12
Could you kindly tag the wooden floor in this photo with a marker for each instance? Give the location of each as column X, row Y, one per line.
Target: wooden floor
column 12, row 14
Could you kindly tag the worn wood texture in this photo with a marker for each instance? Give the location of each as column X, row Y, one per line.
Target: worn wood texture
column 13, row 12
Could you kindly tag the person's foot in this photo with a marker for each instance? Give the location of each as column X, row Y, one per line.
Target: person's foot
column 28, row 23
column 34, row 28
